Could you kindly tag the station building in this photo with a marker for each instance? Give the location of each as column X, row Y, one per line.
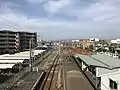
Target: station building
column 103, row 71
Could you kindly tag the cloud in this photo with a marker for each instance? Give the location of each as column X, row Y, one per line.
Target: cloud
column 79, row 18
column 103, row 10
column 35, row 1
column 85, row 10
column 54, row 6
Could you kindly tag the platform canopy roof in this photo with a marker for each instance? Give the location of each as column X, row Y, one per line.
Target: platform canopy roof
column 100, row 60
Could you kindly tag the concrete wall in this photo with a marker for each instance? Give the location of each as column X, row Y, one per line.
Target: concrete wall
column 105, row 82
column 105, row 75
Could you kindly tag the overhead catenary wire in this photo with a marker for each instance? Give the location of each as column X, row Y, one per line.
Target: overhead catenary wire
column 11, row 24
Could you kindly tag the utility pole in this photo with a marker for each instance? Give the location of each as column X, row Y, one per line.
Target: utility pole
column 59, row 47
column 31, row 54
column 93, row 46
column 31, row 47
column 30, row 61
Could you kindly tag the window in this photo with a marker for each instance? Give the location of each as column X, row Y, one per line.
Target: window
column 112, row 84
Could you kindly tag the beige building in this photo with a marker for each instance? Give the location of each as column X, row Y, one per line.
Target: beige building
column 86, row 43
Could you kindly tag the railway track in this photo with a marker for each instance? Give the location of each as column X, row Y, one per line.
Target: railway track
column 48, row 80
column 44, row 67
column 43, row 58
column 47, row 83
column 13, row 85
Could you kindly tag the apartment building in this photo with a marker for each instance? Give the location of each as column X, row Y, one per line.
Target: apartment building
column 8, row 42
column 11, row 42
column 25, row 38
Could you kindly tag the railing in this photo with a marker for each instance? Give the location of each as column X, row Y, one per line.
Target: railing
column 8, row 38
column 7, row 42
column 6, row 34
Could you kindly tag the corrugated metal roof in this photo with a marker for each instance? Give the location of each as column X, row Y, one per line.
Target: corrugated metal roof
column 20, row 56
column 90, row 61
column 13, row 58
column 100, row 60
column 11, row 61
column 4, row 66
column 110, row 61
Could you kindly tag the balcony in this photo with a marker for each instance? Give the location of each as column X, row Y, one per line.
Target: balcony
column 11, row 38
column 7, row 34
column 3, row 38
column 7, row 42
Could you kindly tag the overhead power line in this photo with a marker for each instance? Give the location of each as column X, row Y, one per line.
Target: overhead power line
column 11, row 24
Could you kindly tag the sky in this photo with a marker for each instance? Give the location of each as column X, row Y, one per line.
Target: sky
column 62, row 19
